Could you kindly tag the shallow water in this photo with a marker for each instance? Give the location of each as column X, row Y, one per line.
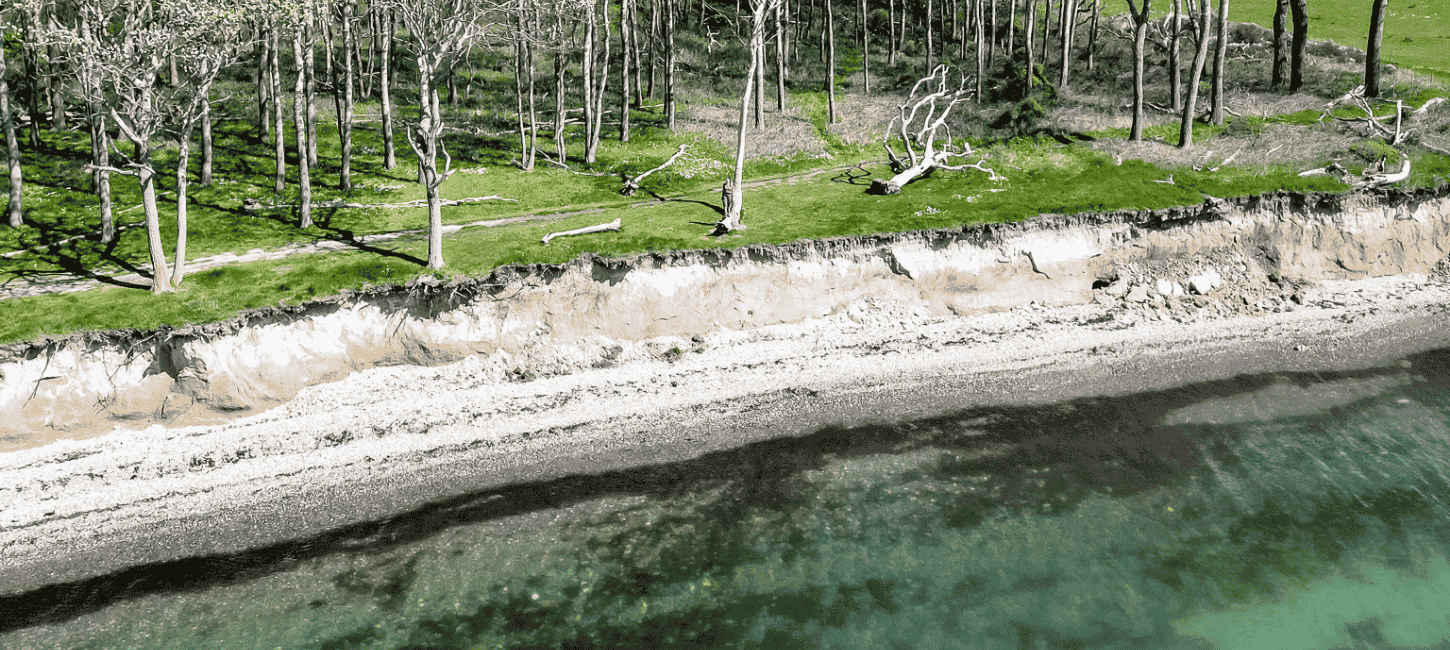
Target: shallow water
column 1272, row 511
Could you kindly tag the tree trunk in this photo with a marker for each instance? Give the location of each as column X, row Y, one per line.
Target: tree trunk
column 32, row 104
column 759, row 105
column 603, row 87
column 1301, row 38
column 299, row 116
column 1220, row 59
column 991, row 35
column 1028, row 34
column 533, row 150
column 57, row 73
column 160, row 282
column 891, row 43
column 1281, row 55
column 12, row 149
column 930, row 51
column 280, row 141
column 590, row 36
column 1372, row 50
column 830, row 63
column 385, row 84
column 780, row 57
column 102, row 180
column 208, row 155
column 264, row 88
column 433, row 179
column 1190, row 106
column 624, row 92
column 309, row 88
column 1140, row 39
column 634, row 53
column 183, row 161
column 865, row 53
column 1093, row 36
column 979, row 16
column 1067, row 20
column 1175, row 67
column 344, row 117
column 1011, row 28
column 734, row 194
column 670, row 64
column 561, row 114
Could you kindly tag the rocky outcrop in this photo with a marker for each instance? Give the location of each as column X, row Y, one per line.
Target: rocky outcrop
column 1222, row 256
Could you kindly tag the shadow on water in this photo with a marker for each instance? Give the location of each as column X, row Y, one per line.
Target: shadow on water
column 1038, row 459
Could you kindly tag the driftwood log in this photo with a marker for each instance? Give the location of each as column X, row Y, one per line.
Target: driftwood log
column 613, row 225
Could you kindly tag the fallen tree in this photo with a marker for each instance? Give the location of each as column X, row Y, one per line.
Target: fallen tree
column 631, row 185
column 253, row 204
column 613, row 225
column 918, row 124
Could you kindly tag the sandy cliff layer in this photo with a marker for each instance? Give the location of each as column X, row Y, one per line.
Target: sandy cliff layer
column 1253, row 255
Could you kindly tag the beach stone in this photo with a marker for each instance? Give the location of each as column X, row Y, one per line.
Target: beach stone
column 1163, row 287
column 1138, row 293
column 1117, row 288
column 1205, row 282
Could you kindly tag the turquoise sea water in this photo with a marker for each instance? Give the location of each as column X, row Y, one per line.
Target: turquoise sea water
column 1279, row 511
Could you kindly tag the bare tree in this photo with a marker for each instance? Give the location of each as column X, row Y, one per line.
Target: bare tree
column 385, row 90
column 1190, row 106
column 1372, row 50
column 732, row 195
column 12, row 146
column 1175, row 67
column 300, row 108
column 1068, row 19
column 346, row 14
column 1140, row 37
column 274, row 75
column 207, row 33
column 128, row 56
column 1220, row 58
column 831, row 63
column 670, row 64
column 441, row 32
column 919, row 123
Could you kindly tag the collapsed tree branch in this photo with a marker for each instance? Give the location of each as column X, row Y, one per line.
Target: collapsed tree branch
column 254, row 205
column 613, row 225
column 919, row 136
column 1376, row 180
column 631, row 185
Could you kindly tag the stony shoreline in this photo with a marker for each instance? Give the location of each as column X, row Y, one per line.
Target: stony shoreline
column 388, row 440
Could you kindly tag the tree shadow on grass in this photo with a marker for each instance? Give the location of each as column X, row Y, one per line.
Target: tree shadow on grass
column 74, row 252
column 322, row 223
column 848, row 177
column 719, row 210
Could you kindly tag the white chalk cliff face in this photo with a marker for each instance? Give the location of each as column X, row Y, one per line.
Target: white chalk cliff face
column 539, row 321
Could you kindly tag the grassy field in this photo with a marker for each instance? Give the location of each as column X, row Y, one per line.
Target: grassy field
column 808, row 181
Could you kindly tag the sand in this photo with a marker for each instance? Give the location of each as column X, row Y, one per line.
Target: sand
column 388, row 440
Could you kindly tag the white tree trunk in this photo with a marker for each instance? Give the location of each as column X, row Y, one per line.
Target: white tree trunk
column 12, row 150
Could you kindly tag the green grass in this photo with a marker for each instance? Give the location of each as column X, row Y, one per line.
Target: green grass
column 1042, row 177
